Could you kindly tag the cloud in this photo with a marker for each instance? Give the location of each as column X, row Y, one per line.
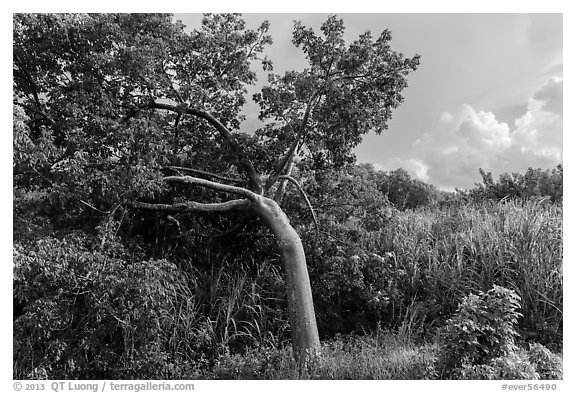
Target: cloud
column 551, row 96
column 451, row 152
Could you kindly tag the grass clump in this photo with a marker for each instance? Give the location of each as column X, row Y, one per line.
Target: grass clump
column 376, row 356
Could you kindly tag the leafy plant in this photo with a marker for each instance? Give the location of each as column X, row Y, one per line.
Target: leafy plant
column 483, row 329
column 512, row 366
column 83, row 312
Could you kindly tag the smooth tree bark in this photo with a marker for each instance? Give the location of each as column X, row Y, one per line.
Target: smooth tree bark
column 299, row 293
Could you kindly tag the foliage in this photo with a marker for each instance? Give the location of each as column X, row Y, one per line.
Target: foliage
column 85, row 312
column 536, row 363
column 415, row 268
column 483, row 329
column 346, row 92
column 83, row 82
column 534, row 183
column 405, row 192
column 512, row 366
column 547, row 364
column 381, row 355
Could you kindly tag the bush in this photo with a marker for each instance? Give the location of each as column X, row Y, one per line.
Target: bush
column 512, row 366
column 482, row 330
column 548, row 364
column 83, row 312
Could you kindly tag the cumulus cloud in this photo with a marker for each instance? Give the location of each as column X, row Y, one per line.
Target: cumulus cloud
column 450, row 154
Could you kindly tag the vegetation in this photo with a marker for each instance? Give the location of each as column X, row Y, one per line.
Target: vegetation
column 131, row 260
column 534, row 183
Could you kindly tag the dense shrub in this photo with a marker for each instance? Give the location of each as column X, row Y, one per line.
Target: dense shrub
column 82, row 312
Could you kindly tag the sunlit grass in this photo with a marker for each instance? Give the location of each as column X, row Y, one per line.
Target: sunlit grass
column 377, row 356
column 451, row 252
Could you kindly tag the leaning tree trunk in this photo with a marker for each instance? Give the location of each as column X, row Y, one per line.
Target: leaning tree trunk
column 300, row 304
column 299, row 293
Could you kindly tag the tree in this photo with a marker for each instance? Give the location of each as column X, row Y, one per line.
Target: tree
column 535, row 183
column 119, row 112
column 405, row 192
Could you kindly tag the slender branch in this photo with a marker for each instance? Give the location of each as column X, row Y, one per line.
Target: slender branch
column 205, row 173
column 256, row 43
column 96, row 209
column 34, row 87
column 176, row 122
column 39, row 112
column 303, row 193
column 291, row 151
column 191, row 206
column 251, row 196
column 30, row 80
column 353, row 76
column 281, row 190
column 368, row 75
column 244, row 164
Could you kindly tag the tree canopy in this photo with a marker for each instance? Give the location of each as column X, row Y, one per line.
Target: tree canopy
column 106, row 104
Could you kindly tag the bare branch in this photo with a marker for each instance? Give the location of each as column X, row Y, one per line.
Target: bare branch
column 205, row 173
column 95, row 208
column 213, row 185
column 281, row 190
column 303, row 193
column 191, row 206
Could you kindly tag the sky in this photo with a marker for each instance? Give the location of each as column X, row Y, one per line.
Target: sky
column 488, row 93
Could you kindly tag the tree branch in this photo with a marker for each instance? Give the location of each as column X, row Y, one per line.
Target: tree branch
column 244, row 164
column 30, row 81
column 251, row 196
column 303, row 193
column 205, row 173
column 281, row 190
column 191, row 206
column 39, row 112
column 291, row 151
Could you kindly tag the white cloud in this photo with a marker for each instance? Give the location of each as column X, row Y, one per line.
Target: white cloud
column 450, row 154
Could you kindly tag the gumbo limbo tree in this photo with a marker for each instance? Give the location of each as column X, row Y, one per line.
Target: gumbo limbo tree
column 114, row 113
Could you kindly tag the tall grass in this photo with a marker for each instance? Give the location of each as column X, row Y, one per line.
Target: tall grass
column 434, row 258
column 444, row 254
